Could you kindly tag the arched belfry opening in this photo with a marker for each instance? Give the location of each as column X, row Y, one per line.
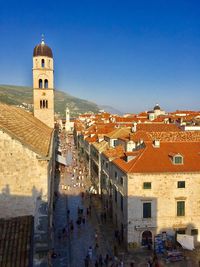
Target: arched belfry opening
column 42, row 63
column 40, row 83
column 46, row 83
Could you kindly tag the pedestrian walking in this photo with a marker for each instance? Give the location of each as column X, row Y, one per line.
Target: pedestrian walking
column 86, row 261
column 96, row 246
column 115, row 250
column 87, row 211
column 121, row 264
column 71, row 225
column 100, row 260
column 83, row 220
column 90, row 252
column 104, row 216
column 106, row 260
column 96, row 236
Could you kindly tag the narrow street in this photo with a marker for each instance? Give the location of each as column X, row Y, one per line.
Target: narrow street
column 71, row 246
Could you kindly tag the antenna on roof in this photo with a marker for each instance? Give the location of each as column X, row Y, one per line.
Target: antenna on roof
column 42, row 42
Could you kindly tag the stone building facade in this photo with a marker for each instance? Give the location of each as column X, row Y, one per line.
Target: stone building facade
column 27, row 165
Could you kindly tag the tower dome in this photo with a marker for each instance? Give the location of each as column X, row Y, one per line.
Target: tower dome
column 42, row 50
column 157, row 107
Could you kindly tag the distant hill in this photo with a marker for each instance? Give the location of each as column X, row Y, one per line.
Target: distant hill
column 110, row 109
column 23, row 95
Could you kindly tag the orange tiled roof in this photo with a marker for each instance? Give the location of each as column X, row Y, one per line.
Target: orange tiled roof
column 154, row 127
column 142, row 114
column 115, row 152
column 119, row 132
column 26, row 128
column 158, row 160
column 182, row 136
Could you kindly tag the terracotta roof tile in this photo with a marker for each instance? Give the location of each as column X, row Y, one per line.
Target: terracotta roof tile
column 26, row 128
column 153, row 160
column 119, row 132
column 115, row 152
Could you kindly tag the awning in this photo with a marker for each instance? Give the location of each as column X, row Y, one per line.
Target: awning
column 62, row 160
column 186, row 241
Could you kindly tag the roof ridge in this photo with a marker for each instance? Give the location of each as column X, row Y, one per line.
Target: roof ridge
column 137, row 158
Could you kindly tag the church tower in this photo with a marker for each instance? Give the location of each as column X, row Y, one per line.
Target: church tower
column 67, row 122
column 43, row 84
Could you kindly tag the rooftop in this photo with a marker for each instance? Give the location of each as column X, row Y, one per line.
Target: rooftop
column 27, row 129
column 16, row 236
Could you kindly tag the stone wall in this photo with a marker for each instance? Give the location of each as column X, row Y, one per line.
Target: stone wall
column 163, row 195
column 23, row 178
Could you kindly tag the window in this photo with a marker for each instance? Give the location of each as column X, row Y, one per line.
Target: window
column 114, row 143
column 115, row 195
column 147, row 210
column 178, row 160
column 45, row 83
column 46, row 103
column 106, row 165
column 147, row 185
column 122, row 203
column 40, row 83
column 42, row 63
column 121, row 180
column 40, row 103
column 181, row 184
column 180, row 208
column 194, row 231
column 115, row 174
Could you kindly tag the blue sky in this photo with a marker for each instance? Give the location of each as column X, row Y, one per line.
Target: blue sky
column 127, row 54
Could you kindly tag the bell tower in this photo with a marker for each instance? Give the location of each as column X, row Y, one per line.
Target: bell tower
column 43, row 84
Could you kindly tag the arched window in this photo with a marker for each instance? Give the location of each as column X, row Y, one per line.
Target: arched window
column 40, row 103
column 46, row 103
column 40, row 83
column 42, row 63
column 45, row 83
column 43, row 104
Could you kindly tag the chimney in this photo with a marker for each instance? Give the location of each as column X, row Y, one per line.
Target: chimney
column 156, row 143
column 134, row 127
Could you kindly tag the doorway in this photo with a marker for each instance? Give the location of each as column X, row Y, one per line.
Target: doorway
column 146, row 238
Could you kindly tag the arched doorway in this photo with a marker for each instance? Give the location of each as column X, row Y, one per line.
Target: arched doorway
column 146, row 238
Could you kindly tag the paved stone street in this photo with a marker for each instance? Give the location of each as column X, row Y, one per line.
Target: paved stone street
column 71, row 245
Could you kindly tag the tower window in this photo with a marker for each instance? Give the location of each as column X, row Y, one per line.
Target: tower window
column 46, row 103
column 40, row 83
column 43, row 103
column 42, row 63
column 40, row 103
column 45, row 83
